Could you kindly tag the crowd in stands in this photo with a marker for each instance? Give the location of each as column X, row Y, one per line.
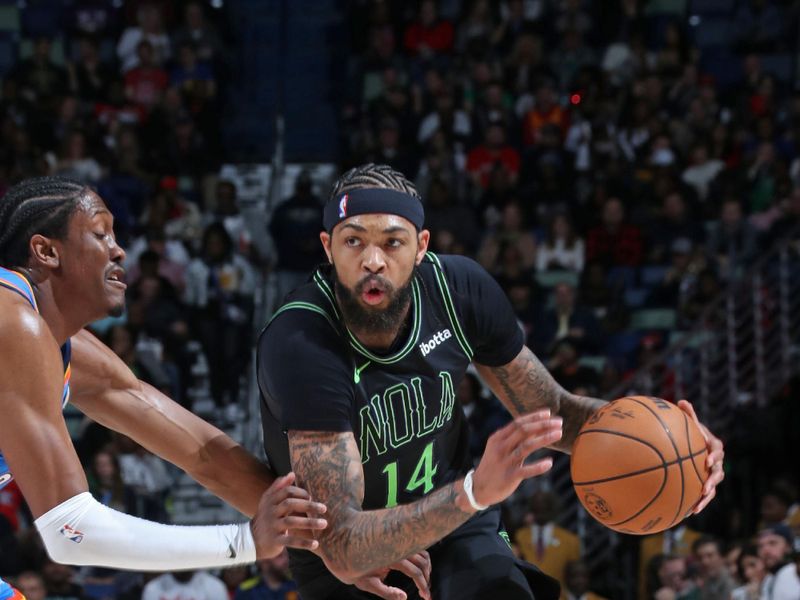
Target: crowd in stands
column 587, row 154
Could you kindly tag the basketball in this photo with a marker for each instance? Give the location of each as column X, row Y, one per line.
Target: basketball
column 638, row 465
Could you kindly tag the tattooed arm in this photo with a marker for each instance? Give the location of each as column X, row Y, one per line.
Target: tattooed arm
column 525, row 385
column 358, row 541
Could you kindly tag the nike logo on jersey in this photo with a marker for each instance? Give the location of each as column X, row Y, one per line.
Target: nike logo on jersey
column 4, row 479
column 438, row 338
column 231, row 551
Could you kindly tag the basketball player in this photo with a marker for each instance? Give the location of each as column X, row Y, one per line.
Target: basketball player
column 359, row 369
column 59, row 270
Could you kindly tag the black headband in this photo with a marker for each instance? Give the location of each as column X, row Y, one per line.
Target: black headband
column 372, row 200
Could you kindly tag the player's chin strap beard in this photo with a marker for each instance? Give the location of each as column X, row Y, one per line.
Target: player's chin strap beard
column 360, row 319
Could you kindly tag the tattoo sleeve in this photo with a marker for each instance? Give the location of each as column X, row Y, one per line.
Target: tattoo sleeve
column 357, row 541
column 525, row 385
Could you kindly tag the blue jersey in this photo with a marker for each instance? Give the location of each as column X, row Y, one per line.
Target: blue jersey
column 15, row 282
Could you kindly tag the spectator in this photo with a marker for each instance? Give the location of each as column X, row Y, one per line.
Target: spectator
column 273, row 583
column 428, row 35
column 732, row 245
column 170, row 211
column 39, row 79
column 702, row 171
column 75, row 162
column 90, row 77
column 672, row 579
column 60, row 582
column 512, row 231
column 194, row 79
column 774, row 548
column 145, row 474
column 568, row 372
column 546, row 111
column 31, row 585
column 219, row 289
column 675, row 543
column 197, row 585
column 105, row 483
column 233, row 577
column 577, row 582
column 751, row 572
column 674, row 223
column 615, row 242
column 544, row 543
column 493, row 153
column 715, row 579
column 150, row 28
column 226, row 211
column 294, row 228
column 567, row 320
column 145, row 83
column 561, row 249
column 198, row 31
column 483, row 412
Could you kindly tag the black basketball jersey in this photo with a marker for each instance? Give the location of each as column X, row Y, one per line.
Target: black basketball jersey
column 401, row 406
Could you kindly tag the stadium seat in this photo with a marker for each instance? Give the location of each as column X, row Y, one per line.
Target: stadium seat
column 622, row 277
column 651, row 276
column 635, row 297
column 713, row 32
column 549, row 279
column 712, row 7
column 653, row 318
column 597, row 363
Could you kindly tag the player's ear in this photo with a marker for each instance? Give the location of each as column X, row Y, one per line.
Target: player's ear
column 423, row 238
column 44, row 251
column 325, row 238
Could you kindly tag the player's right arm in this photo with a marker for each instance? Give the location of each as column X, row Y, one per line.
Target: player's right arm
column 328, row 465
column 75, row 528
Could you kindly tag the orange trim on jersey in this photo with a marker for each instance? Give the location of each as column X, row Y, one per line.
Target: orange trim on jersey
column 67, row 373
column 30, row 287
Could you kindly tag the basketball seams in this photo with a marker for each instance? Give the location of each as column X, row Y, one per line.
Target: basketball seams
column 641, row 471
column 668, row 431
column 689, row 442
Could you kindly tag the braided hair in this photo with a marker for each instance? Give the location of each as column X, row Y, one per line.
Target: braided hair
column 371, row 175
column 40, row 205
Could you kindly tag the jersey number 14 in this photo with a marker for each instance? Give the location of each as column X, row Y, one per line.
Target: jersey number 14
column 422, row 476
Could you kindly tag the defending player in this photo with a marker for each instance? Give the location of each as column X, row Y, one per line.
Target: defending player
column 59, row 270
column 360, row 368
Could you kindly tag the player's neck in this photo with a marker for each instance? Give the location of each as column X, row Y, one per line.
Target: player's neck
column 382, row 341
column 63, row 325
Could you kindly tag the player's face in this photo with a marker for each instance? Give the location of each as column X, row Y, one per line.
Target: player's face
column 91, row 260
column 374, row 256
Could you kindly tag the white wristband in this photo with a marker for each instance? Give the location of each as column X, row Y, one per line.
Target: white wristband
column 468, row 492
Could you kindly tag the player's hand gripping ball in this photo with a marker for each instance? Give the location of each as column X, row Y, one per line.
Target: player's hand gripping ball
column 638, row 465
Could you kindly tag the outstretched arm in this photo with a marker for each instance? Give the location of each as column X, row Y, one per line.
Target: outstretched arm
column 357, row 541
column 106, row 390
column 525, row 385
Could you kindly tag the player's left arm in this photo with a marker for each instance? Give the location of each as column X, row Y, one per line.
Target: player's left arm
column 524, row 385
column 108, row 392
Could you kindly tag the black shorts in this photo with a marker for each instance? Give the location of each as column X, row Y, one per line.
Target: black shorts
column 474, row 562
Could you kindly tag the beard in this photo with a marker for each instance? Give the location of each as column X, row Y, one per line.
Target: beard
column 373, row 320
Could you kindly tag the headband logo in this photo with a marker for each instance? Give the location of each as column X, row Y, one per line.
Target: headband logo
column 343, row 207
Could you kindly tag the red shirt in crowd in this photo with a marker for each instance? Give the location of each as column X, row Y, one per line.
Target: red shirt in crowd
column 144, row 85
column 438, row 37
column 481, row 160
column 620, row 248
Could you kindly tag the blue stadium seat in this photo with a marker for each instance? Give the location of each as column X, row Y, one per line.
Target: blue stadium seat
column 713, row 32
column 651, row 276
column 622, row 277
column 635, row 297
column 712, row 7
column 621, row 347
column 780, row 66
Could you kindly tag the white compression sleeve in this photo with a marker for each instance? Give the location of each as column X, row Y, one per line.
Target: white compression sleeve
column 81, row 531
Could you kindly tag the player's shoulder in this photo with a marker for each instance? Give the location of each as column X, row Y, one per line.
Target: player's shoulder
column 20, row 321
column 461, row 273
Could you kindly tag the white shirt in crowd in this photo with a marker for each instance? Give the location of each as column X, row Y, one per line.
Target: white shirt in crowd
column 201, row 586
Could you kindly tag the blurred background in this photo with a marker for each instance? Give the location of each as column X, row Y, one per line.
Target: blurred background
column 628, row 170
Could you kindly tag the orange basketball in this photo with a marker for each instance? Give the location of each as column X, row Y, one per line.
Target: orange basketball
column 639, row 465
